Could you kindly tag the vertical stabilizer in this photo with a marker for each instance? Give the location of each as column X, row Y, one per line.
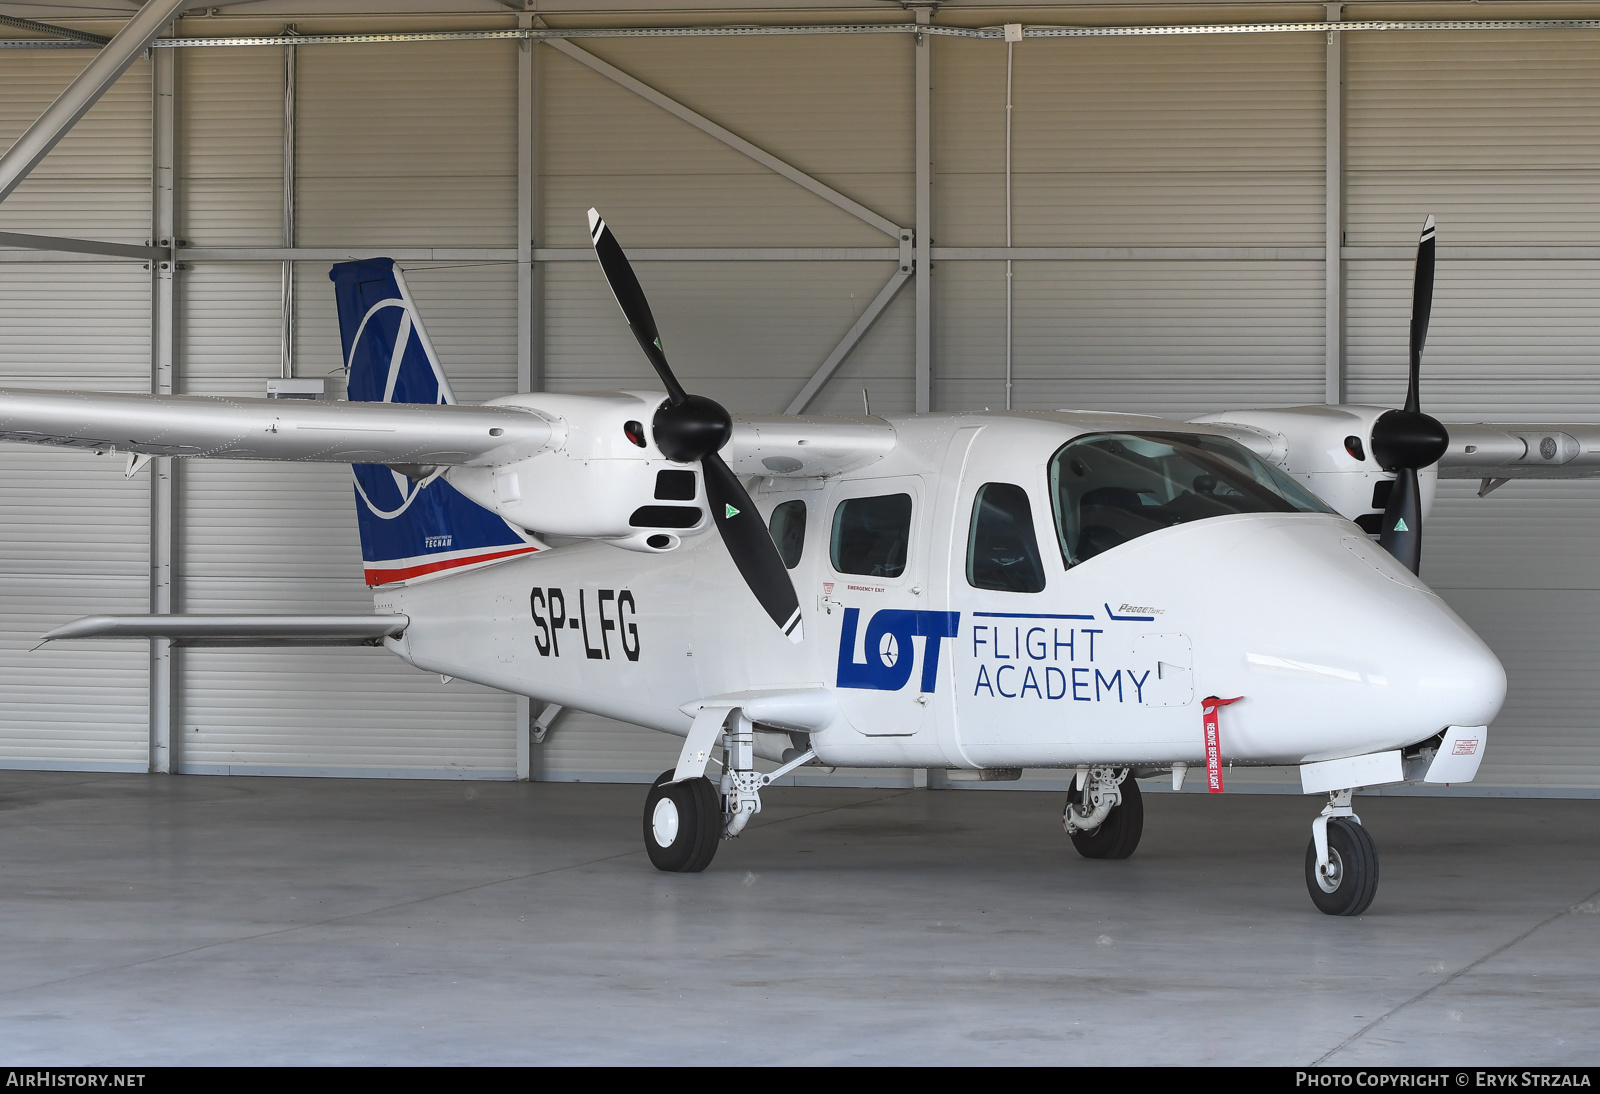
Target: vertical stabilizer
column 411, row 527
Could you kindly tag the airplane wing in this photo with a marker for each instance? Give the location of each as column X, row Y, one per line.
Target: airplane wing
column 273, row 429
column 390, row 433
column 793, row 447
column 1495, row 451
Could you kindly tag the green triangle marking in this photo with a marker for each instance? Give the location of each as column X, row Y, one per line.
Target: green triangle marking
column 729, row 512
column 1400, row 525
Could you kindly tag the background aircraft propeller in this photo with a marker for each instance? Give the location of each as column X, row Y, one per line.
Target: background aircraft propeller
column 691, row 428
column 1405, row 441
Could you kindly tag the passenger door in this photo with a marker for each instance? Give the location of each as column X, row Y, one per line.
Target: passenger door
column 886, row 646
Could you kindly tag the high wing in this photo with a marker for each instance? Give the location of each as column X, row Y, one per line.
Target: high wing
column 1495, row 451
column 791, row 447
column 392, row 433
column 273, row 429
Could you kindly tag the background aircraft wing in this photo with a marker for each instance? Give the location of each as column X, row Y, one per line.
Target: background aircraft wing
column 272, row 429
column 1491, row 450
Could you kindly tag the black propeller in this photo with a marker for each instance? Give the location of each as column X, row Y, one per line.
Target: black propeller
column 690, row 428
column 1405, row 441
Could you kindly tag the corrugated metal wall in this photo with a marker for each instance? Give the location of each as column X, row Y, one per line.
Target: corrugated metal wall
column 1499, row 138
column 431, row 161
column 1143, row 142
column 1133, row 142
column 77, row 532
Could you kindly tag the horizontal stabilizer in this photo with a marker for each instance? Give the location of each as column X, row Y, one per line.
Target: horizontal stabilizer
column 240, row 630
column 273, row 429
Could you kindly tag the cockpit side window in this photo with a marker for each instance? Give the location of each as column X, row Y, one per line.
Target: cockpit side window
column 1002, row 551
column 870, row 535
column 1110, row 488
column 788, row 528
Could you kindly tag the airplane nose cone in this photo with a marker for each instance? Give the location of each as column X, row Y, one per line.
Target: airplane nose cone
column 1339, row 649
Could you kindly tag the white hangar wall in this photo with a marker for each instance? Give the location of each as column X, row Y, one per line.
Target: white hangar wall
column 1181, row 181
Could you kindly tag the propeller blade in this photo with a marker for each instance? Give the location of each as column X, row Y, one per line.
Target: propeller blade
column 1401, row 535
column 1421, row 310
column 750, row 545
column 631, row 299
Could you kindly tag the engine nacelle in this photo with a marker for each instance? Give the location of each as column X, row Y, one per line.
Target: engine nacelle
column 1310, row 444
column 600, row 477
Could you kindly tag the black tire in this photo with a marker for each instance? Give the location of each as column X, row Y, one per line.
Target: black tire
column 691, row 817
column 1118, row 835
column 1351, row 849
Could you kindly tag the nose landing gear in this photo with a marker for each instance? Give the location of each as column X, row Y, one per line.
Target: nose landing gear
column 1341, row 860
column 1105, row 813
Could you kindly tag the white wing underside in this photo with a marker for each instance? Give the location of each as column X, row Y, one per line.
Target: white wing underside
column 271, row 429
column 391, row 433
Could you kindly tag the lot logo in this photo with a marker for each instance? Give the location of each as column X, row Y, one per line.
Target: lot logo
column 887, row 648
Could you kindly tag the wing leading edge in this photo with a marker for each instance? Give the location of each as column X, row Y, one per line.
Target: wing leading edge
column 273, row 429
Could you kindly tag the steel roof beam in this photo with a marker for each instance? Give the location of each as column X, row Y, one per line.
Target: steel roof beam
column 51, row 29
column 73, row 103
column 84, row 247
column 725, row 136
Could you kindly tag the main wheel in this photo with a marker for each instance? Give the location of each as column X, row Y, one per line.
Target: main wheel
column 1119, row 833
column 1352, row 879
column 682, row 822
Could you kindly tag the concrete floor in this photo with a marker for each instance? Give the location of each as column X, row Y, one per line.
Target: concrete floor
column 197, row 920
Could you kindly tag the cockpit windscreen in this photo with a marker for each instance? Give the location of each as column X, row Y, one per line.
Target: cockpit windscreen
column 1109, row 488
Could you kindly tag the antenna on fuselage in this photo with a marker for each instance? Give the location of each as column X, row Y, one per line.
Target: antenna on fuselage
column 866, row 403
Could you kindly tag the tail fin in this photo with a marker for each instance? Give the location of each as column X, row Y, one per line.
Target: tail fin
column 409, row 529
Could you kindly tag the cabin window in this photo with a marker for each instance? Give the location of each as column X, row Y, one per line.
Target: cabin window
column 1110, row 488
column 1002, row 551
column 788, row 528
column 870, row 535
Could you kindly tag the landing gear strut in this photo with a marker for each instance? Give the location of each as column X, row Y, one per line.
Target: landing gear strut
column 1341, row 860
column 686, row 813
column 1105, row 813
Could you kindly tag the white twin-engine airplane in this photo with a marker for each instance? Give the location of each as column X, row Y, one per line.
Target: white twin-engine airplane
column 1122, row 596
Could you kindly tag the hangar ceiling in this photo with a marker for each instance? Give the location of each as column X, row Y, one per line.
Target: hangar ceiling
column 1170, row 215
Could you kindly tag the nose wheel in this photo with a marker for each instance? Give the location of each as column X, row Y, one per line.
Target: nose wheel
column 1341, row 861
column 1105, row 813
column 682, row 822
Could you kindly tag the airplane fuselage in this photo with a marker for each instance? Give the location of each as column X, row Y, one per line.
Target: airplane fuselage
column 955, row 616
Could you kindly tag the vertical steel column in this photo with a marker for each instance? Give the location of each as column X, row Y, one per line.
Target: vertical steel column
column 290, row 97
column 528, row 378
column 164, row 738
column 1333, row 216
column 1010, row 45
column 924, row 197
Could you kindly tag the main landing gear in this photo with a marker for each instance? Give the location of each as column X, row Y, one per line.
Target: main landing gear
column 684, row 817
column 682, row 822
column 1341, row 860
column 1105, row 812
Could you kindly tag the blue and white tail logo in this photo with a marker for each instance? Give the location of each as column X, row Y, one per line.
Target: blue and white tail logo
column 409, row 530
